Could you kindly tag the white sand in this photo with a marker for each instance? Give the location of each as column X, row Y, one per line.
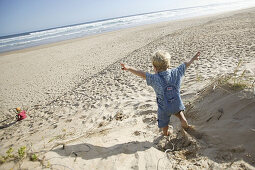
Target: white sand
column 77, row 95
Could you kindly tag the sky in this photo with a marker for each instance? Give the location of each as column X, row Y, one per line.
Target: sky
column 19, row 16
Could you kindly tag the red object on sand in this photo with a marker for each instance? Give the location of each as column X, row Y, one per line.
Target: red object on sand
column 22, row 115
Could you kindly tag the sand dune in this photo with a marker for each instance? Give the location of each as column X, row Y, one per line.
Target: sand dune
column 107, row 120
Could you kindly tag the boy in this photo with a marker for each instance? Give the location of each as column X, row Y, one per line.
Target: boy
column 166, row 84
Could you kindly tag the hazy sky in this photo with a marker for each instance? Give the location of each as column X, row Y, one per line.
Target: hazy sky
column 17, row 16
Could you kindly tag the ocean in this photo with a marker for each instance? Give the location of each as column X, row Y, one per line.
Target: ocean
column 35, row 38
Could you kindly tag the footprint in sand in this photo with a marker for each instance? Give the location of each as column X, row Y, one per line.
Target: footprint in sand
column 68, row 120
column 148, row 112
column 83, row 117
column 149, row 120
column 120, row 116
column 145, row 106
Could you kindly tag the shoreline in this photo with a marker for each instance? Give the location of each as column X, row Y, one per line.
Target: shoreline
column 145, row 26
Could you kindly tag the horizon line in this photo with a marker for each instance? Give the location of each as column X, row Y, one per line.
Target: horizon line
column 100, row 20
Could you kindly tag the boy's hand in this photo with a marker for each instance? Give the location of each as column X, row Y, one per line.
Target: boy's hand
column 193, row 59
column 123, row 67
column 133, row 70
column 196, row 57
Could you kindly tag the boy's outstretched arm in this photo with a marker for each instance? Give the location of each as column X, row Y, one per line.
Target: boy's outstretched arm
column 134, row 71
column 192, row 60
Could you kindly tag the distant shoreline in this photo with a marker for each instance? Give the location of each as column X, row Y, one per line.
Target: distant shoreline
column 36, row 47
column 106, row 19
column 32, row 39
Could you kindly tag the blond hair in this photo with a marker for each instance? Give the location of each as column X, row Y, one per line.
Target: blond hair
column 161, row 60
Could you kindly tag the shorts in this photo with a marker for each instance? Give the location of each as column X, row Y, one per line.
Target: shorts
column 164, row 119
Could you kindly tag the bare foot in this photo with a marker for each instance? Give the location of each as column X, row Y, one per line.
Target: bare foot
column 168, row 133
column 184, row 124
column 188, row 127
column 165, row 131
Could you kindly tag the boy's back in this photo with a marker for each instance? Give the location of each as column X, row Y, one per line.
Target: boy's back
column 166, row 85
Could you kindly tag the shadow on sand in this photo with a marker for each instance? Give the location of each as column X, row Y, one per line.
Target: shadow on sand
column 8, row 125
column 88, row 151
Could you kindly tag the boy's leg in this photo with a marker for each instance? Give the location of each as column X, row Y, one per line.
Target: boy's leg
column 183, row 120
column 163, row 121
column 165, row 131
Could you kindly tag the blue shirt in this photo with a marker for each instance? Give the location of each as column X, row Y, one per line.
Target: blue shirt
column 166, row 85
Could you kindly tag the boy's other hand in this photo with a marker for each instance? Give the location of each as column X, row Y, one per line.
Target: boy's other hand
column 123, row 67
column 133, row 70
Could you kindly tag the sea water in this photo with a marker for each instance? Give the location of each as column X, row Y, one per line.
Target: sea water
column 30, row 39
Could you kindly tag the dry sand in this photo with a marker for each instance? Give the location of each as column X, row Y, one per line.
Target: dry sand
column 85, row 113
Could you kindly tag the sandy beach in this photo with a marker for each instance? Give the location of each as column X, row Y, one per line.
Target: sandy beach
column 84, row 112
